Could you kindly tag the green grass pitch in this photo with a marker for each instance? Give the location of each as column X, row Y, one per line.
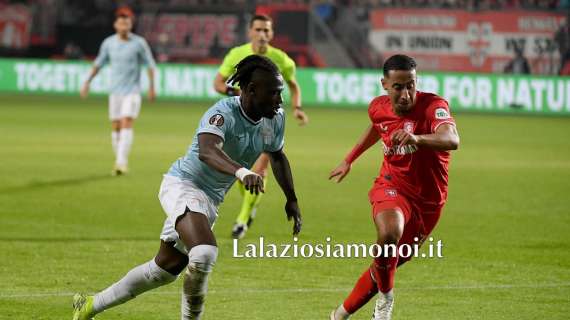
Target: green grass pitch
column 66, row 225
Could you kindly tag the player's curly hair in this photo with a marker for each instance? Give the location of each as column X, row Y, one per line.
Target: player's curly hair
column 246, row 67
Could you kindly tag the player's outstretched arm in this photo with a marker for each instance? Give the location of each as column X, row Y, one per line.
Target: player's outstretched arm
column 445, row 138
column 282, row 172
column 368, row 139
column 221, row 86
column 85, row 88
column 211, row 153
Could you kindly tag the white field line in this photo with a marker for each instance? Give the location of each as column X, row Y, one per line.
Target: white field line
column 9, row 295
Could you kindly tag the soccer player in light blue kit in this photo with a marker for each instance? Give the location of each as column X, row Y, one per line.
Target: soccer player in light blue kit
column 230, row 137
column 126, row 53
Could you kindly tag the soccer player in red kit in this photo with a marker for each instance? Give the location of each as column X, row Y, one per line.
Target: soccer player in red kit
column 417, row 132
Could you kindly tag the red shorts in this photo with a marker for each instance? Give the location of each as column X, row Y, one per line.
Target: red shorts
column 420, row 219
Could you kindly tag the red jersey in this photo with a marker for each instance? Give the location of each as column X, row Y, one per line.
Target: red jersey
column 418, row 173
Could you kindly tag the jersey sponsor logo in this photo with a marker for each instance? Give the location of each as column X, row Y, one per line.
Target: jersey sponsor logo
column 266, row 134
column 399, row 150
column 391, row 193
column 441, row 113
column 217, row 120
column 409, row 127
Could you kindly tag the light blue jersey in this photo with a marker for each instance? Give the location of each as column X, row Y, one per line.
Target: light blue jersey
column 244, row 140
column 126, row 58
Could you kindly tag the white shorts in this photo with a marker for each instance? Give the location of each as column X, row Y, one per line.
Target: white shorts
column 175, row 196
column 124, row 106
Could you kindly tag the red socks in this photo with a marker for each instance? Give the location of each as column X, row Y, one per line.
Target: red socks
column 364, row 289
column 384, row 270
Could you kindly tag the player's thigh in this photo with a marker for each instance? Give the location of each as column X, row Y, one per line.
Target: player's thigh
column 115, row 107
column 170, row 259
column 191, row 214
column 194, row 229
column 131, row 106
column 420, row 226
column 389, row 219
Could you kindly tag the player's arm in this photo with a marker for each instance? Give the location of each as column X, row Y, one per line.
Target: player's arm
column 444, row 138
column 151, row 91
column 100, row 61
column 222, row 87
column 368, row 139
column 298, row 112
column 211, row 153
column 85, row 88
column 282, row 172
column 148, row 60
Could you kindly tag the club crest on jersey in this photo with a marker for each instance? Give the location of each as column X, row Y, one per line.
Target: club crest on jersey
column 391, row 192
column 441, row 113
column 216, row 120
column 266, row 134
column 409, row 127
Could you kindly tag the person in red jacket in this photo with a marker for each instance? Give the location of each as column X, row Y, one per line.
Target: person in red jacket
column 417, row 132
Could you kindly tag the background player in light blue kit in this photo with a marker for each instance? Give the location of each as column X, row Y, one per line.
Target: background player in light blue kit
column 230, row 137
column 126, row 53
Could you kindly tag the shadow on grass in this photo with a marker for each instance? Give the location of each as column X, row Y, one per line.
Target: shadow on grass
column 39, row 185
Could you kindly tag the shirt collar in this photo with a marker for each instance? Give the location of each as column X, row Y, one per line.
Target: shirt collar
column 245, row 115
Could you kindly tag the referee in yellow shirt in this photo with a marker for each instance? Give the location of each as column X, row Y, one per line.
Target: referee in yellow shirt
column 260, row 34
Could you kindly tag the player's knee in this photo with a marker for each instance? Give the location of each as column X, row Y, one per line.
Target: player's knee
column 203, row 257
column 391, row 237
column 390, row 226
column 390, row 234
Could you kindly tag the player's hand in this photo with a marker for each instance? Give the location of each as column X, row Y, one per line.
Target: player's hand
column 340, row 172
column 84, row 90
column 253, row 183
column 300, row 115
column 151, row 94
column 401, row 137
column 293, row 212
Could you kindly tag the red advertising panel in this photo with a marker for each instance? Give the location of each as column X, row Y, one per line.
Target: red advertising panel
column 15, row 23
column 195, row 37
column 454, row 40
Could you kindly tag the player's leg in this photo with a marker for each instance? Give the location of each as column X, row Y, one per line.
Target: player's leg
column 389, row 219
column 390, row 227
column 196, row 234
column 364, row 290
column 251, row 201
column 125, row 142
column 419, row 227
column 115, row 102
column 115, row 129
column 161, row 270
column 130, row 109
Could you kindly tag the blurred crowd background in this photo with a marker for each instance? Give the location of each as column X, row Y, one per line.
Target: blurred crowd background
column 500, row 36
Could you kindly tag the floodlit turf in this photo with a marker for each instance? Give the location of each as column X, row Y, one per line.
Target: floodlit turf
column 66, row 225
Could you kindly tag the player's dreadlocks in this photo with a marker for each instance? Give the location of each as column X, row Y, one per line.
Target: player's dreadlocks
column 246, row 67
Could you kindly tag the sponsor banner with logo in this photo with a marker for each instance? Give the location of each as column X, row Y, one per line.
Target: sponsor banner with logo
column 192, row 36
column 455, row 40
column 15, row 26
column 320, row 87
